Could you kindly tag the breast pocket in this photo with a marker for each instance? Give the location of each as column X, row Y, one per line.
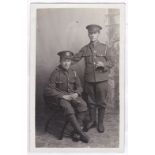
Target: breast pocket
column 101, row 57
column 100, row 54
column 59, row 84
column 72, row 83
column 89, row 59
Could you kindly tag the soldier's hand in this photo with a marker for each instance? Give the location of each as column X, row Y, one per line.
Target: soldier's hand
column 100, row 64
column 67, row 97
column 74, row 95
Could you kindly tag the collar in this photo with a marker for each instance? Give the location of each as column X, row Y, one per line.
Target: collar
column 93, row 44
column 63, row 69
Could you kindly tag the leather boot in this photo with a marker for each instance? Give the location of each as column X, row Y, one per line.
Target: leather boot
column 101, row 112
column 75, row 124
column 80, row 117
column 75, row 136
column 92, row 123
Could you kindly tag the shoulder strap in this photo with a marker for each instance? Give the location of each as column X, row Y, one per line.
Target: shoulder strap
column 74, row 73
column 106, row 50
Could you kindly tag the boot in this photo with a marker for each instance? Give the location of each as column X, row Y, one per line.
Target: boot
column 75, row 136
column 92, row 123
column 101, row 112
column 75, row 124
column 80, row 117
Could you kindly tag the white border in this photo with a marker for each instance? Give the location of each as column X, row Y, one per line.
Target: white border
column 32, row 71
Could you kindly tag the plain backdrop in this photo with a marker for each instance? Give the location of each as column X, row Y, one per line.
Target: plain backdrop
column 140, row 75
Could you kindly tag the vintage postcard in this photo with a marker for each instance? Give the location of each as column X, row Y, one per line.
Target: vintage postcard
column 77, row 63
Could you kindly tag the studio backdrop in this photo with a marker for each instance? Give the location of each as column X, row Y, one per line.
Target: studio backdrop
column 64, row 29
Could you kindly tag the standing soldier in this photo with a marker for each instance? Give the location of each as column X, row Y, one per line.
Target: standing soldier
column 97, row 66
column 65, row 90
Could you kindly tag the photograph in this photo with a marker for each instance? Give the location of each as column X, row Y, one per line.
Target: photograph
column 77, row 77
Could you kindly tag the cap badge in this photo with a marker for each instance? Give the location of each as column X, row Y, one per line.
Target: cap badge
column 67, row 54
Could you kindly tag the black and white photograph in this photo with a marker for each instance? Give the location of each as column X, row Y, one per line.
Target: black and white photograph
column 77, row 77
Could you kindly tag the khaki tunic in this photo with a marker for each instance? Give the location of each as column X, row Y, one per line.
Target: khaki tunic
column 92, row 54
column 96, row 85
column 63, row 82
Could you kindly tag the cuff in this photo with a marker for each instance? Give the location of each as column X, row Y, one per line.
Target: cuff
column 78, row 92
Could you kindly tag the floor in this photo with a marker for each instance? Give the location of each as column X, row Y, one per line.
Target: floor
column 108, row 139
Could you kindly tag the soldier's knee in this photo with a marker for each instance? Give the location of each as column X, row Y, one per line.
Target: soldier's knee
column 67, row 107
column 64, row 104
column 82, row 106
column 84, row 103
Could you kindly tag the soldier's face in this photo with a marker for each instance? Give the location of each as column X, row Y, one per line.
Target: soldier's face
column 93, row 36
column 65, row 63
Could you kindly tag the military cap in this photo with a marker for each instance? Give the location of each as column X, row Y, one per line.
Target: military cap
column 93, row 28
column 66, row 54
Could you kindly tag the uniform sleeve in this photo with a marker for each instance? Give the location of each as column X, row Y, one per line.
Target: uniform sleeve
column 109, row 61
column 78, row 85
column 51, row 89
column 77, row 57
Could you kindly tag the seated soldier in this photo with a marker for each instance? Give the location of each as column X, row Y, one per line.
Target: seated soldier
column 65, row 89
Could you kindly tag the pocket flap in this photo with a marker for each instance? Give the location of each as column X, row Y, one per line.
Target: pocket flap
column 58, row 82
column 100, row 54
column 72, row 81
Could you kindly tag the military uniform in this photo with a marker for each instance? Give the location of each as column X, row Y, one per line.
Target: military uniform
column 93, row 75
column 66, row 82
column 96, row 78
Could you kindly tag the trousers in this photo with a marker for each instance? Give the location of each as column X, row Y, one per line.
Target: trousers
column 96, row 93
column 72, row 107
